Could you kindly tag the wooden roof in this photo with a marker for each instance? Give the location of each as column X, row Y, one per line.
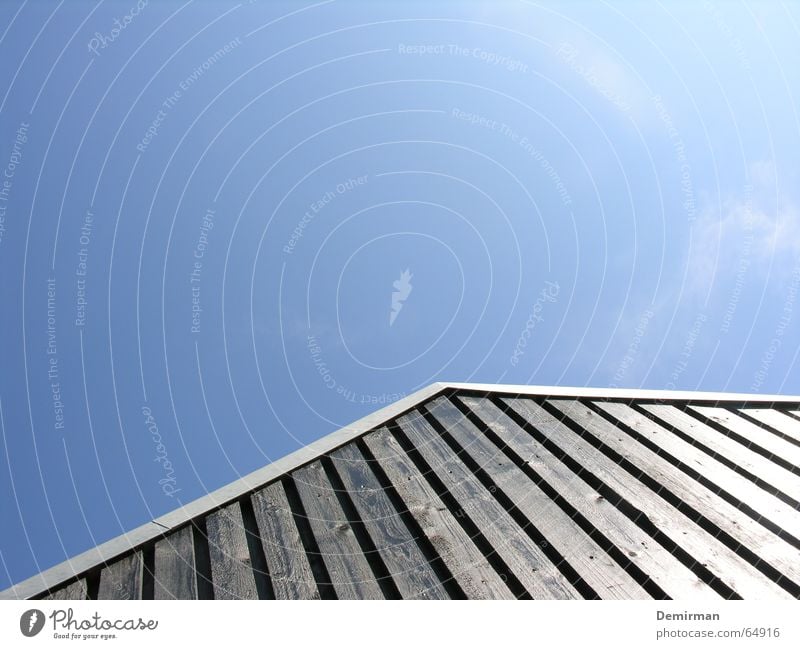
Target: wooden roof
column 480, row 491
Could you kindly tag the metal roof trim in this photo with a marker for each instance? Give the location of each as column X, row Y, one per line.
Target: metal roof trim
column 162, row 525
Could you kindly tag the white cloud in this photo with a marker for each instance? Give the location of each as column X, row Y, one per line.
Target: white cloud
column 751, row 233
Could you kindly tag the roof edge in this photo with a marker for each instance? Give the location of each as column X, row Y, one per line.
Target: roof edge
column 622, row 393
column 161, row 525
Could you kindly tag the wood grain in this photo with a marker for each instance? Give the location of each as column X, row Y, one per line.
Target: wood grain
column 122, row 579
column 761, row 501
column 740, row 575
column 526, row 560
column 175, row 576
column 756, row 464
column 288, row 565
column 231, row 564
column 465, row 561
column 675, row 579
column 410, row 570
column 752, row 435
column 778, row 420
column 602, row 573
column 350, row 573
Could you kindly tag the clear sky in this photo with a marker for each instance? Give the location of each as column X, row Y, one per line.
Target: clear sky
column 227, row 229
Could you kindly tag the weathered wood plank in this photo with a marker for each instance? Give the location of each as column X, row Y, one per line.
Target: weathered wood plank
column 174, row 566
column 767, row 505
column 756, row 464
column 122, row 579
column 604, row 575
column 750, row 582
column 287, row 562
column 75, row 590
column 231, row 564
column 661, row 566
column 465, row 561
column 350, row 573
column 753, row 434
column 524, row 558
column 787, row 425
column 410, row 570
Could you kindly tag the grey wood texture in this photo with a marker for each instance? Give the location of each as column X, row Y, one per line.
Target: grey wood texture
column 465, row 561
column 122, row 579
column 287, row 561
column 675, row 579
column 778, row 420
column 720, row 560
column 75, row 590
column 350, row 573
column 754, row 463
column 523, row 557
column 410, row 570
column 753, row 433
column 231, row 564
column 608, row 579
column 757, row 500
column 763, row 502
column 175, row 576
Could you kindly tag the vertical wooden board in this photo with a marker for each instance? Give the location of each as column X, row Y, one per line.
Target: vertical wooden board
column 767, row 505
column 350, row 573
column 524, row 558
column 75, row 590
column 661, row 566
column 174, row 575
column 777, row 419
column 753, row 434
column 122, row 579
column 602, row 573
column 756, row 464
column 745, row 531
column 288, row 565
column 231, row 564
column 410, row 570
column 465, row 561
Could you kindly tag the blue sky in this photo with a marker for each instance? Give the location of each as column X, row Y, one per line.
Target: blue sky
column 206, row 209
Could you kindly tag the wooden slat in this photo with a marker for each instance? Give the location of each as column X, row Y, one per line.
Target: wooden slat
column 604, row 575
column 288, row 565
column 746, row 531
column 525, row 559
column 465, row 561
column 756, row 464
column 753, row 434
column 175, row 575
column 780, row 421
column 674, row 578
column 768, row 506
column 709, row 552
column 122, row 579
column 408, row 566
column 231, row 565
column 350, row 573
column 75, row 590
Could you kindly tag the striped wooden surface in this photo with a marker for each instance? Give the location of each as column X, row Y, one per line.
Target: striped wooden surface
column 499, row 496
